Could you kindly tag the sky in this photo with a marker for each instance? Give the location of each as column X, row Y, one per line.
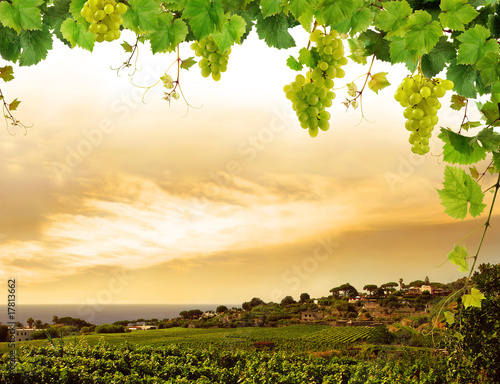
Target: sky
column 113, row 198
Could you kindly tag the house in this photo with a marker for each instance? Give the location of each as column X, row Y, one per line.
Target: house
column 311, row 316
column 426, row 288
column 24, row 334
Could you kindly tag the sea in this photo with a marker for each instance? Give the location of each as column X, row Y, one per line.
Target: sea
column 100, row 314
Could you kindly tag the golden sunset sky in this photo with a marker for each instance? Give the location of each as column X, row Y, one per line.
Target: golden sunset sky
column 108, row 199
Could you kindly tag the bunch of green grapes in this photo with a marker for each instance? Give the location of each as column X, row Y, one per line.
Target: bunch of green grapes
column 311, row 94
column 213, row 61
column 419, row 95
column 105, row 18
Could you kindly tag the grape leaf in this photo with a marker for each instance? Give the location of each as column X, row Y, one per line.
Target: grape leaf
column 334, row 11
column 75, row 8
column 456, row 13
column 179, row 5
column 459, row 257
column 435, row 61
column 14, row 104
column 188, row 63
column 10, row 44
column 460, row 149
column 422, row 34
column 473, row 299
column 457, row 102
column 7, row 73
column 205, row 16
column 489, row 68
column 474, row 45
column 470, row 124
column 474, row 173
column 360, row 21
column 127, row 47
column 309, row 58
column 394, row 17
column 232, row 31
column 298, row 7
column 274, row 31
column 496, row 161
column 489, row 139
column 495, row 92
column 375, row 43
column 35, row 46
column 270, row 7
column 450, row 317
column 170, row 33
column 21, row 14
column 460, row 192
column 142, row 16
column 378, row 81
column 77, row 34
column 490, row 112
column 293, row 63
column 358, row 53
column 464, row 77
column 397, row 50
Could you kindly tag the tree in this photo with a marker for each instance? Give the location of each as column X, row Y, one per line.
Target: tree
column 345, row 288
column 304, row 297
column 30, row 322
column 370, row 288
column 221, row 309
column 416, row 283
column 389, row 287
column 55, row 319
column 39, row 324
column 288, row 300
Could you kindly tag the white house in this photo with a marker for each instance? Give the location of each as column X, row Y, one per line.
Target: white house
column 23, row 334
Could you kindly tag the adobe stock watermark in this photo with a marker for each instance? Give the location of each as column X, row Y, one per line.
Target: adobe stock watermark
column 104, row 296
column 92, row 138
column 249, row 149
column 294, row 276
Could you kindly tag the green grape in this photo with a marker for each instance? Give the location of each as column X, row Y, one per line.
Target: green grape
column 108, row 9
column 104, row 18
column 214, row 61
column 120, row 8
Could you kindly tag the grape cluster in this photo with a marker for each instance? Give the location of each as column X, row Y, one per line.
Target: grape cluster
column 213, row 61
column 312, row 93
column 419, row 95
column 105, row 18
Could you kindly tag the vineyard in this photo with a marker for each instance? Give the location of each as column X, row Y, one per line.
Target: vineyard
column 102, row 363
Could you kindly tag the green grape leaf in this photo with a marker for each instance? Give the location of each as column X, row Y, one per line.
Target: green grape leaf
column 361, row 20
column 14, row 104
column 489, row 139
column 470, row 124
column 35, row 45
column 10, row 44
column 495, row 92
column 435, row 61
column 54, row 17
column 394, row 17
column 270, row 7
column 460, row 149
column 459, row 257
column 375, row 43
column 449, row 317
column 473, row 299
column 456, row 13
column 7, row 73
column 188, row 63
column 334, row 11
column 179, row 5
column 274, row 31
column 358, row 52
column 77, row 34
column 422, row 33
column 457, row 102
column 75, row 8
column 306, row 19
column 127, row 47
column 474, row 45
column 464, row 77
column 496, row 160
column 299, row 7
column 309, row 58
column 232, row 31
column 170, row 33
column 21, row 14
column 397, row 50
column 292, row 63
column 489, row 68
column 490, row 112
column 205, row 17
column 460, row 192
column 474, row 173
column 142, row 16
column 378, row 81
